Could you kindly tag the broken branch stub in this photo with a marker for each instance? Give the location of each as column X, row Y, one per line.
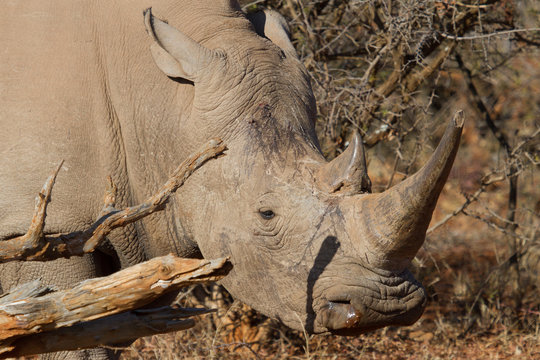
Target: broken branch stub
column 31, row 243
column 101, row 311
column 35, row 246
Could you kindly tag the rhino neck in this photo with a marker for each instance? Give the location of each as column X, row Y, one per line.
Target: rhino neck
column 157, row 120
column 146, row 120
column 152, row 113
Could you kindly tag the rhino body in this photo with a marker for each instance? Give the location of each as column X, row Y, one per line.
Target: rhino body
column 88, row 82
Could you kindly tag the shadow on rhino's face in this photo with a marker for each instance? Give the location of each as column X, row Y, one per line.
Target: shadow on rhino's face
column 328, row 250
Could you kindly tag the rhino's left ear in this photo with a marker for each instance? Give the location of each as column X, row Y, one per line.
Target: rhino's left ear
column 176, row 54
column 271, row 25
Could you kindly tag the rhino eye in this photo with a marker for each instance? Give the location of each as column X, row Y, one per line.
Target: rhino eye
column 267, row 214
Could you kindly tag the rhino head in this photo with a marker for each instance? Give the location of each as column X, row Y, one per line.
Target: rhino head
column 310, row 244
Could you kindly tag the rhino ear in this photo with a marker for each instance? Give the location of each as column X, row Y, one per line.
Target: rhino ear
column 176, row 54
column 271, row 25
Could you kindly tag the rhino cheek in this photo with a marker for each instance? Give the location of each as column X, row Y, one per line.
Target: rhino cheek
column 258, row 281
column 272, row 280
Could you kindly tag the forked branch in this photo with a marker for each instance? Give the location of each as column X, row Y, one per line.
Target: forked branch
column 36, row 246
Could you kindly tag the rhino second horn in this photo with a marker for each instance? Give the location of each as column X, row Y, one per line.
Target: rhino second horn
column 347, row 173
column 397, row 219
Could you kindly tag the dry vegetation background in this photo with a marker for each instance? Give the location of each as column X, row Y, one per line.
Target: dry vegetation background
column 397, row 70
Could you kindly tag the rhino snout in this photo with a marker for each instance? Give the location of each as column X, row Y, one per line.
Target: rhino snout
column 371, row 304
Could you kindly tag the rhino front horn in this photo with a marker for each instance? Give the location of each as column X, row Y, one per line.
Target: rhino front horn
column 397, row 219
column 347, row 173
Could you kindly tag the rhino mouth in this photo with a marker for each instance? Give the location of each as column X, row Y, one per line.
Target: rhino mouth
column 379, row 301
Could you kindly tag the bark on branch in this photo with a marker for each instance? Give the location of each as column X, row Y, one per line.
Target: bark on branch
column 36, row 246
column 101, row 311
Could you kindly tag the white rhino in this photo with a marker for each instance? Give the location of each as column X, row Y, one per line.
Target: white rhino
column 310, row 245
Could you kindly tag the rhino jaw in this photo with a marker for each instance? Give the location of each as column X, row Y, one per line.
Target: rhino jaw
column 382, row 300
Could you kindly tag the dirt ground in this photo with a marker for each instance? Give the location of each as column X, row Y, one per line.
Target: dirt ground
column 428, row 339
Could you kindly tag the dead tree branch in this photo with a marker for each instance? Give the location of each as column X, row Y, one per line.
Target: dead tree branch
column 514, row 168
column 469, row 200
column 36, row 246
column 101, row 311
column 403, row 74
column 485, row 36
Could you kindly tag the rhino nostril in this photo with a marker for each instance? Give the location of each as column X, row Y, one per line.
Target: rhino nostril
column 341, row 314
column 343, row 302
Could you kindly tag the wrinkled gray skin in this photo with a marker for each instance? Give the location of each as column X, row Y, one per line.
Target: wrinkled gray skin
column 84, row 81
